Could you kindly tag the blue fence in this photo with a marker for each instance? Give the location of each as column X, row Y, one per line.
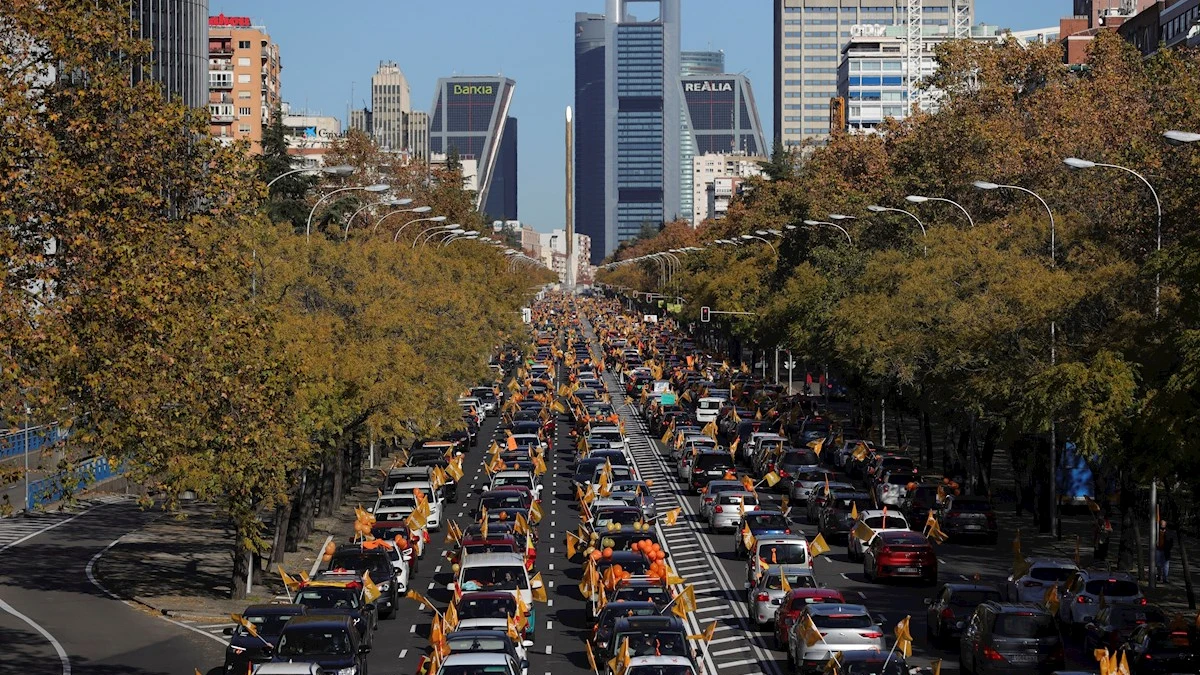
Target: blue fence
column 17, row 443
column 55, row 488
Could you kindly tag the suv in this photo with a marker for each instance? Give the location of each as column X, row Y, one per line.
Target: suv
column 1081, row 597
column 835, row 519
column 330, row 641
column 965, row 517
column 1010, row 638
column 497, row 572
column 709, row 466
column 649, row 636
column 951, row 606
column 844, row 628
column 383, row 572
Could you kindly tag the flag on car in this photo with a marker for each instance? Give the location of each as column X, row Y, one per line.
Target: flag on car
column 671, row 517
column 817, row 546
column 684, row 602
column 904, row 638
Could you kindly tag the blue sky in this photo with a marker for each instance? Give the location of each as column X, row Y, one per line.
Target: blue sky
column 327, row 46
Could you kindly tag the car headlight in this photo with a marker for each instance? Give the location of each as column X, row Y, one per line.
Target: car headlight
column 352, row 670
column 385, row 586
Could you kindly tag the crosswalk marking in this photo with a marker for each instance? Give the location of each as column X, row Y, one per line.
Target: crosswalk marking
column 14, row 530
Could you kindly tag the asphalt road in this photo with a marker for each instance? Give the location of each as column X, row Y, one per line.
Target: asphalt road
column 55, row 621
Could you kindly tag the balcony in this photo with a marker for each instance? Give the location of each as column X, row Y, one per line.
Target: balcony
column 220, row 66
column 220, row 49
column 222, row 84
column 221, row 119
column 220, row 98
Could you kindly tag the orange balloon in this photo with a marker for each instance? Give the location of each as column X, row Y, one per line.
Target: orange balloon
column 595, row 555
column 608, row 552
column 618, row 570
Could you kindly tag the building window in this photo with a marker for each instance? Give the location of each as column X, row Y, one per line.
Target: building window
column 243, row 61
column 243, row 94
column 243, row 44
column 243, row 79
column 243, row 128
column 244, row 112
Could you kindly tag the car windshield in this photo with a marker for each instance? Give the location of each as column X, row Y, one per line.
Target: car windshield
column 1112, row 587
column 651, row 643
column 523, row 481
column 880, row 523
column 508, row 500
column 328, row 598
column 1165, row 641
column 622, row 516
column 266, row 624
column 842, row 621
column 800, row 458
column 972, row 598
column 748, row 500
column 653, row 594
column 894, row 667
column 766, row 521
column 783, row 554
column 378, row 565
column 714, row 462
column 314, row 642
column 505, row 578
column 1025, row 626
column 474, row 669
column 660, row 670
column 1051, row 573
column 773, row 582
column 477, row 644
column 490, row 548
column 486, row 608
column 607, row 616
column 404, row 500
column 610, row 436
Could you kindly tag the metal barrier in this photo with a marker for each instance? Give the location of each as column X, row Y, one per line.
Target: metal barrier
column 57, row 487
column 21, row 441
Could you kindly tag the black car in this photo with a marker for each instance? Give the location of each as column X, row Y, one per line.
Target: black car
column 377, row 562
column 916, row 504
column 871, row 662
column 606, row 620
column 245, row 649
column 329, row 641
column 334, row 600
column 835, row 519
column 432, row 458
column 965, row 518
column 584, row 471
column 1156, row 649
column 643, row 590
column 709, row 466
column 1114, row 624
column 951, row 606
column 1011, row 638
column 649, row 636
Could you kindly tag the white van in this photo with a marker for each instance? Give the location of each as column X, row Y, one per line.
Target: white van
column 707, row 409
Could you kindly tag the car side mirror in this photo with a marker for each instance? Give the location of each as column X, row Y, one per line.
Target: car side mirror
column 746, row 585
column 371, row 509
column 527, row 643
column 228, row 631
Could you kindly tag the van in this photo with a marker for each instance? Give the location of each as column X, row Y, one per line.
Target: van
column 707, row 409
column 497, row 572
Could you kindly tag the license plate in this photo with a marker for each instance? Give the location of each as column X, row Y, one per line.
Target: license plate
column 908, row 570
column 1023, row 658
column 972, row 527
column 716, row 473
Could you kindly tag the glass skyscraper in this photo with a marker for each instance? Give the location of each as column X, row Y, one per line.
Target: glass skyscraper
column 590, row 187
column 178, row 32
column 470, row 115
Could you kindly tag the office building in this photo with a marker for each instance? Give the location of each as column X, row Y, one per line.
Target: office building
column 692, row 63
column 178, row 32
column 716, row 179
column 309, row 137
column 720, row 117
column 1093, row 16
column 391, row 121
column 701, row 63
column 470, row 117
column 590, row 147
column 553, row 249
column 243, row 80
column 642, row 104
column 873, row 78
column 809, row 35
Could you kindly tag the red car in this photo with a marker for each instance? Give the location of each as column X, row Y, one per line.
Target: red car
column 790, row 608
column 900, row 554
column 416, row 542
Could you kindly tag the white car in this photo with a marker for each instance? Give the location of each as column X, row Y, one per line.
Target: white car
column 716, row 487
column 660, row 665
column 843, row 628
column 707, row 409
column 783, row 549
column 497, row 572
column 616, row 440
column 399, row 490
column 727, row 511
column 476, row 403
column 1081, row 599
column 1041, row 574
column 518, row 478
column 879, row 520
column 894, row 487
column 493, row 663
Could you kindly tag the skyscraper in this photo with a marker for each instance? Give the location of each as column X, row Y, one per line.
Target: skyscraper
column 589, row 130
column 700, row 63
column 809, row 35
column 692, row 63
column 391, row 121
column 470, row 117
column 178, row 32
column 243, row 79
column 642, row 107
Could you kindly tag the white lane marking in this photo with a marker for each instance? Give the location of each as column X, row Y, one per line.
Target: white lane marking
column 437, row 569
column 844, row 576
column 317, row 563
column 549, row 649
column 62, row 653
column 412, row 628
column 431, row 585
column 89, row 570
column 48, row 528
column 549, row 602
column 551, row 583
column 550, row 567
column 403, row 653
column 549, row 625
column 723, row 652
column 743, row 662
column 552, row 549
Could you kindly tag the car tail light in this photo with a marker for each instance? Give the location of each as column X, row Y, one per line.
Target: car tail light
column 991, row 519
column 886, row 550
column 870, row 635
column 783, row 474
column 947, row 613
column 787, row 530
column 991, row 654
column 1083, row 600
column 718, row 509
column 762, row 597
column 1142, row 601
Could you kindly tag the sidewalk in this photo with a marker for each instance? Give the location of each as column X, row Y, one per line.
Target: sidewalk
column 179, row 565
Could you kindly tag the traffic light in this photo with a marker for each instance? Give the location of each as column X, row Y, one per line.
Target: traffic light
column 705, row 315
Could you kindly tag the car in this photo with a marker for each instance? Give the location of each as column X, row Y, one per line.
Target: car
column 899, row 554
column 649, row 636
column 887, row 462
column 842, row 455
column 636, row 493
column 498, row 572
column 1081, row 598
column 508, row 497
column 783, row 549
column 616, row 473
column 893, row 487
column 397, row 531
column 707, row 408
column 380, row 562
column 708, row 466
column 950, row 608
column 643, row 590
column 790, row 606
column 818, row 495
column 474, row 641
column 727, row 510
column 715, row 488
column 245, row 650
column 1040, row 574
column 434, row 522
column 616, row 439
column 606, row 619
column 330, row 641
column 1156, row 649
column 622, row 514
column 965, row 517
column 837, row 513
column 661, row 665
column 844, row 628
column 1010, row 638
column 624, row 537
column 472, row 663
column 337, row 595
column 800, row 482
column 760, row 523
column 917, row 503
column 289, row 668
column 871, row 662
column 766, row 594
column 495, row 542
column 1113, row 625
column 878, row 520
column 488, row 610
column 489, row 399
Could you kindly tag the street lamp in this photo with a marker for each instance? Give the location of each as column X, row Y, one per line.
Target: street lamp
column 749, row 237
column 816, row 223
column 839, row 216
column 1181, row 137
column 459, row 237
column 875, row 208
column 431, row 219
column 918, row 199
column 422, row 233
column 379, row 187
column 339, row 170
column 387, row 202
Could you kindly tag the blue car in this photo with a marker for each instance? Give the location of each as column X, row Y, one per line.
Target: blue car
column 761, row 522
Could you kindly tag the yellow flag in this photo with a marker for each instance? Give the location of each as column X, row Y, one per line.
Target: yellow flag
column 904, row 638
column 535, row 513
column 1051, row 601
column 685, row 602
column 288, row 581
column 860, row 452
column 863, row 532
column 245, row 624
column 747, row 538
column 671, row 517
column 937, row 667
column 454, row 469
column 413, row 595
column 452, row 616
column 817, row 546
column 522, row 526
column 853, row 510
column 537, row 588
column 772, row 479
column 809, row 632
column 591, row 657
column 817, row 445
column 571, row 545
column 783, row 582
column 371, row 592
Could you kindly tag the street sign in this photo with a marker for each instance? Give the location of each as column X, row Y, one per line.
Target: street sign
column 526, row 315
column 705, row 315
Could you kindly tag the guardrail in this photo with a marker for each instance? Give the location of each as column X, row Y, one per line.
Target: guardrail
column 21, row 441
column 59, row 486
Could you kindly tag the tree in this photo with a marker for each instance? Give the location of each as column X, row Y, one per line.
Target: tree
column 286, row 198
column 781, row 166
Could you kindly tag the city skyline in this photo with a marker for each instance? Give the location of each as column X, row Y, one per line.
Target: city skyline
column 320, row 81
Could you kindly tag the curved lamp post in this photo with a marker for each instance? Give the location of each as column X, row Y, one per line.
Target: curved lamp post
column 815, row 223
column 875, row 208
column 459, row 237
column 432, row 219
column 750, row 237
column 379, row 187
column 443, row 228
column 339, row 170
column 386, row 202
column 919, row 199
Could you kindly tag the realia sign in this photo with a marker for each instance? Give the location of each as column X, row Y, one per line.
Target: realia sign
column 708, row 85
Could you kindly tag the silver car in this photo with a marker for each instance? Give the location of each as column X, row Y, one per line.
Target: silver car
column 715, row 488
column 844, row 628
column 637, row 493
column 812, row 503
column 727, row 510
column 767, row 594
column 1041, row 575
column 803, row 483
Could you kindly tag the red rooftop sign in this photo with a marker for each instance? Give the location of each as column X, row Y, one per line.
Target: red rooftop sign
column 222, row 20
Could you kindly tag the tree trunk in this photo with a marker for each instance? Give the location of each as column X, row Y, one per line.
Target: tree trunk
column 303, row 511
column 325, row 505
column 241, row 566
column 927, row 431
column 283, row 517
column 1127, row 550
column 337, row 473
column 986, row 456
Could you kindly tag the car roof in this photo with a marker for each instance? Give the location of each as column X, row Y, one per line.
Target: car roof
column 486, row 595
column 1051, row 562
column 967, row 586
column 903, row 536
column 655, row 621
column 871, row 513
column 837, row 608
column 319, row 620
column 475, row 659
column 802, row 570
column 660, row 661
column 1017, row 607
column 280, row 609
column 494, row 560
column 1102, row 574
column 781, row 539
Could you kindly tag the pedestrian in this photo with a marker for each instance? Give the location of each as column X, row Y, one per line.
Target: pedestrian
column 1162, row 554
